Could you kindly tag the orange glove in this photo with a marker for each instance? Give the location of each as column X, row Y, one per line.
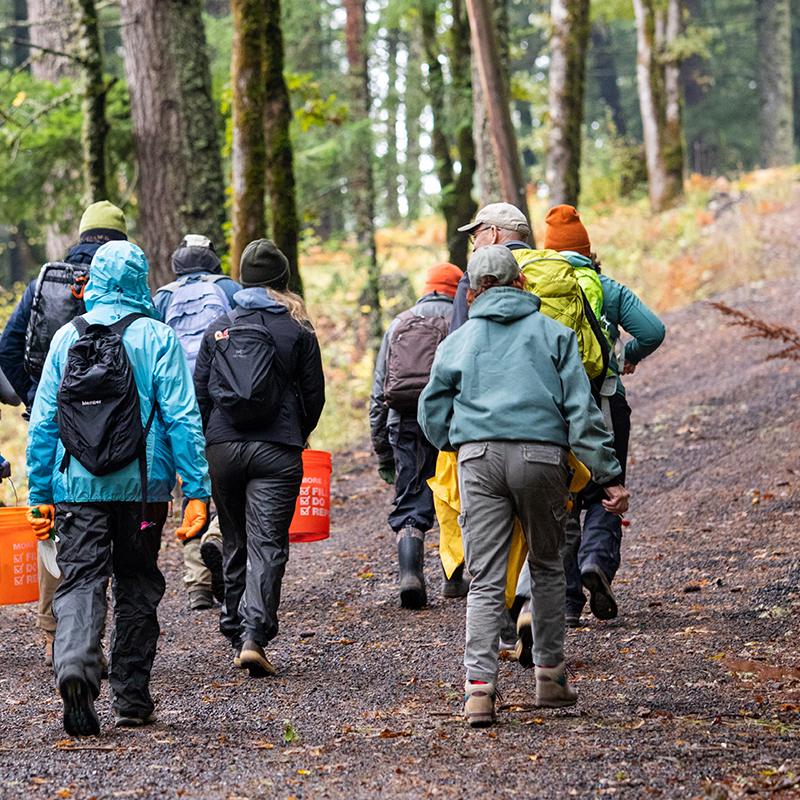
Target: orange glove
column 41, row 520
column 194, row 519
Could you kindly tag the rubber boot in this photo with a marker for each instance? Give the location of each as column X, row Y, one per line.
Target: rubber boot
column 410, row 556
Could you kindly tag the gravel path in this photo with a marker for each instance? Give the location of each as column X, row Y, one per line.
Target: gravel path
column 694, row 691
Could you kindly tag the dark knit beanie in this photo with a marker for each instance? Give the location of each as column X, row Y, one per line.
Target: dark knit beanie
column 263, row 264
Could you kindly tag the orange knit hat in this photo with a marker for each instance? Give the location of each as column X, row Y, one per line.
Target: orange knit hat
column 443, row 278
column 565, row 231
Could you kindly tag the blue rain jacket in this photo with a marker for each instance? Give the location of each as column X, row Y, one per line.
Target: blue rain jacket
column 117, row 287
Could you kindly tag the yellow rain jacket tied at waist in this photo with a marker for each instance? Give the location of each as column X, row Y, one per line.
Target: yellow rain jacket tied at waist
column 447, row 502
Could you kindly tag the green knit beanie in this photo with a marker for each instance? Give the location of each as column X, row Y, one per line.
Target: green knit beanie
column 103, row 215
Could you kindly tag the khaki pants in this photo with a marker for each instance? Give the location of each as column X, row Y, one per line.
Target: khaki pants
column 45, row 620
column 196, row 577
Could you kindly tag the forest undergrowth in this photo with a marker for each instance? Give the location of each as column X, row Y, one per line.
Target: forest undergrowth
column 671, row 259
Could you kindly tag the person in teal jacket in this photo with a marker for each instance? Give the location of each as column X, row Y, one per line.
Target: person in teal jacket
column 592, row 554
column 98, row 519
column 509, row 392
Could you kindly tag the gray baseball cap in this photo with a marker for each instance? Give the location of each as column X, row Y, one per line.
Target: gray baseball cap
column 494, row 260
column 501, row 215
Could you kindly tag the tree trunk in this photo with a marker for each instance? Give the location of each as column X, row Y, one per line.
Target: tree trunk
column 361, row 188
column 495, row 93
column 414, row 105
column 278, row 143
column 390, row 175
column 775, row 82
column 460, row 64
column 52, row 27
column 180, row 186
column 659, row 100
column 602, row 52
column 95, row 126
column 568, row 43
column 19, row 50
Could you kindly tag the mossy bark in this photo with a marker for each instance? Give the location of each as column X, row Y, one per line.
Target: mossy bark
column 249, row 151
column 413, row 101
column 391, row 104
column 95, row 126
column 278, row 141
column 657, row 73
column 569, row 40
column 775, row 83
column 181, row 188
column 361, row 183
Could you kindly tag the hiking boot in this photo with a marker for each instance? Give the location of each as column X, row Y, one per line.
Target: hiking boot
column 80, row 718
column 552, row 690
column 524, row 648
column 201, row 601
column 479, row 704
column 601, row 598
column 572, row 619
column 132, row 720
column 211, row 553
column 49, row 638
column 457, row 585
column 410, row 555
column 253, row 658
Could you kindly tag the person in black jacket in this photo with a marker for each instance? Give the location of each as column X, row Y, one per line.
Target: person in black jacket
column 256, row 471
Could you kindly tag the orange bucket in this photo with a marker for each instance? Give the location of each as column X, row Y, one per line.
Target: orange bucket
column 312, row 514
column 19, row 581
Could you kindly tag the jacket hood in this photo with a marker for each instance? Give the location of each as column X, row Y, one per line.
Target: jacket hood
column 186, row 260
column 504, row 304
column 118, row 275
column 258, row 297
column 577, row 260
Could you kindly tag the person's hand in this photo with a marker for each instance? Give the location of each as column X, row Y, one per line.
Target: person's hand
column 5, row 469
column 629, row 368
column 41, row 518
column 194, row 519
column 387, row 474
column 618, row 497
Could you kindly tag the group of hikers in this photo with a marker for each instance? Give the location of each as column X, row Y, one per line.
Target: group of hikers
column 497, row 410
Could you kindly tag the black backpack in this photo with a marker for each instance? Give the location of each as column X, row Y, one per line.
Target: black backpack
column 97, row 405
column 247, row 380
column 57, row 300
column 412, row 347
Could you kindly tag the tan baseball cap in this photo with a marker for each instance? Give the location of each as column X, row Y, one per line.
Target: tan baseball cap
column 495, row 260
column 501, row 215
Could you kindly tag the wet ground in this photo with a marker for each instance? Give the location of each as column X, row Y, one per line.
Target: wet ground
column 693, row 692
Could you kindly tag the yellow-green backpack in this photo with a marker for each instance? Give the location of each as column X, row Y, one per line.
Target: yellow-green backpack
column 553, row 280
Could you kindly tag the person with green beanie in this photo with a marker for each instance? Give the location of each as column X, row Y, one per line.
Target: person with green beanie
column 101, row 222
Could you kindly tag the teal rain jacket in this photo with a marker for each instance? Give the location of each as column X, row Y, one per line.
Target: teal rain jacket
column 512, row 374
column 117, row 287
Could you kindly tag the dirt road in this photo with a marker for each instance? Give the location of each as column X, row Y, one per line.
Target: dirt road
column 693, row 691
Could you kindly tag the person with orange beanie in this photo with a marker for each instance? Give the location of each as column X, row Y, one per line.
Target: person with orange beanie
column 592, row 554
column 405, row 458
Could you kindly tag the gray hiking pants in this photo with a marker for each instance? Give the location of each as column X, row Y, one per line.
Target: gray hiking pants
column 499, row 481
column 102, row 541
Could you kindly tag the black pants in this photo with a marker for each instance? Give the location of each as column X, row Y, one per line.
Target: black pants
column 255, row 487
column 102, row 541
column 599, row 542
column 415, row 462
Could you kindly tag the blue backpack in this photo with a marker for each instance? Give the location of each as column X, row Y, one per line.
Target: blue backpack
column 196, row 302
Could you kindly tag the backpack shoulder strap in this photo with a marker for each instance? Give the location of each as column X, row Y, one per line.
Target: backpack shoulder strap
column 122, row 325
column 81, row 325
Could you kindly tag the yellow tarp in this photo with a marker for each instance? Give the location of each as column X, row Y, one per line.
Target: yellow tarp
column 447, row 502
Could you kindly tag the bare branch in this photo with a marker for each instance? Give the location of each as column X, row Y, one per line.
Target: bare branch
column 760, row 329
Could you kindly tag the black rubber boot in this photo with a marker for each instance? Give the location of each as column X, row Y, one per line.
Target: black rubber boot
column 601, row 598
column 211, row 553
column 410, row 555
column 456, row 585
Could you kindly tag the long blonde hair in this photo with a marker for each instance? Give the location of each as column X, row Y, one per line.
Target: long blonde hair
column 294, row 303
